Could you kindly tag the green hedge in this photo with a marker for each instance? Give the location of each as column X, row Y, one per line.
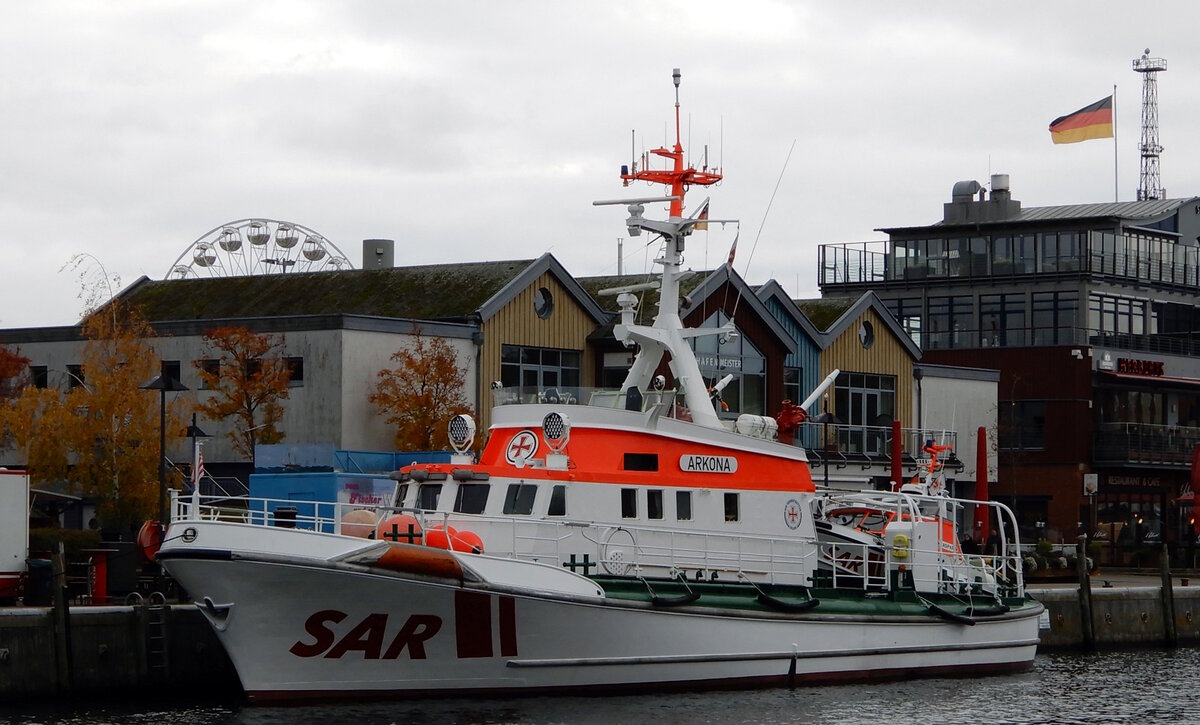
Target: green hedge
column 44, row 542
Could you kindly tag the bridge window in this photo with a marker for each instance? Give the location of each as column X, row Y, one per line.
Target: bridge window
column 428, row 495
column 471, row 498
column 519, row 498
column 558, row 501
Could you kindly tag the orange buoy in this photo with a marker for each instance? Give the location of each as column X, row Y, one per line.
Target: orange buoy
column 467, row 541
column 149, row 540
column 360, row 523
column 439, row 537
column 400, row 528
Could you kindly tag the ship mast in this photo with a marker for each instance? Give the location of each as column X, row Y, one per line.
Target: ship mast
column 667, row 334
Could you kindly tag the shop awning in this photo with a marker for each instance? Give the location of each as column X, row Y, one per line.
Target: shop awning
column 1106, row 375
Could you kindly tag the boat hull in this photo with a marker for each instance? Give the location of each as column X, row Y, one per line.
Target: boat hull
column 314, row 630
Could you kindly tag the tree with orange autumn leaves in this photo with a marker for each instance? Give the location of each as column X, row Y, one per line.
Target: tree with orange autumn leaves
column 250, row 379
column 422, row 393
column 101, row 434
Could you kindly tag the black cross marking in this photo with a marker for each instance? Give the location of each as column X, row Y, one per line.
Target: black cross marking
column 574, row 564
column 395, row 534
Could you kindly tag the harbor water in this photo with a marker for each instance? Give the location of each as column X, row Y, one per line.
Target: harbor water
column 1127, row 686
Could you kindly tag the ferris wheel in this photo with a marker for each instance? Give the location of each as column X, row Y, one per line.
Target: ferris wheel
column 251, row 247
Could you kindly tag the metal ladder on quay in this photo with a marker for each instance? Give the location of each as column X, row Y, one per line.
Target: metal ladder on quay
column 158, row 662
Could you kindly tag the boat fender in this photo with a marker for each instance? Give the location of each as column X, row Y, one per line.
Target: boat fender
column 900, row 547
column 951, row 616
column 990, row 611
column 770, row 601
column 686, row 598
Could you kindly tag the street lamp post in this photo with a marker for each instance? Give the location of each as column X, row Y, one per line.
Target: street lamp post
column 825, row 418
column 163, row 383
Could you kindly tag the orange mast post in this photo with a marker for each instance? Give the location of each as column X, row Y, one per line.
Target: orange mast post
column 678, row 177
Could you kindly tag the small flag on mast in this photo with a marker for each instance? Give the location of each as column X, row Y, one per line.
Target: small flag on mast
column 733, row 248
column 702, row 219
column 1089, row 122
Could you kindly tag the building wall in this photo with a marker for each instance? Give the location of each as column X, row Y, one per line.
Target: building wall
column 962, row 401
column 362, row 355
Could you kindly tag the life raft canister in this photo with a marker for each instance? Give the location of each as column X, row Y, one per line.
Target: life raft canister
column 900, row 546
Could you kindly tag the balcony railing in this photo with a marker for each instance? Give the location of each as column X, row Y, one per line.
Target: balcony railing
column 1134, row 257
column 870, row 445
column 1145, row 444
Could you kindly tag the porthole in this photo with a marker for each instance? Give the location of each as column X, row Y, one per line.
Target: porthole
column 543, row 303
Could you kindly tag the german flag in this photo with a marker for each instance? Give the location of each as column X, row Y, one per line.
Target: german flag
column 1094, row 121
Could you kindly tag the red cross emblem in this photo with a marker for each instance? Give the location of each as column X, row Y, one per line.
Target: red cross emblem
column 792, row 515
column 522, row 447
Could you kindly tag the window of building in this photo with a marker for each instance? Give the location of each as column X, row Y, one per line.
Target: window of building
column 171, row 369
column 211, row 367
column 295, row 368
column 683, row 505
column 75, row 376
column 654, row 503
column 471, row 498
column 540, row 369
column 866, row 405
column 1022, row 425
column 543, row 303
column 519, row 498
column 558, row 501
column 731, row 506
column 629, row 503
column 39, row 376
column 253, row 369
column 1055, row 318
column 428, row 495
column 1002, row 318
column 908, row 311
column 747, row 391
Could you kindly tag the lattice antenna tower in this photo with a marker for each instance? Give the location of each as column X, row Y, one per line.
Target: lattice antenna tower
column 1150, row 184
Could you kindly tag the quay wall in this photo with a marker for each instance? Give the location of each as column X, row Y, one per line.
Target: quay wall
column 156, row 650
column 110, row 650
column 1121, row 616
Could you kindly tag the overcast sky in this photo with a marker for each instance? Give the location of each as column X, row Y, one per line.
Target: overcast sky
column 472, row 131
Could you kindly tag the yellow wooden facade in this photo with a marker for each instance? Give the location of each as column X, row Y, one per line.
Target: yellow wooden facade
column 517, row 323
column 887, row 355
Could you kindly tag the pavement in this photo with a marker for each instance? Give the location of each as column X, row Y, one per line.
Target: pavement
column 1106, row 578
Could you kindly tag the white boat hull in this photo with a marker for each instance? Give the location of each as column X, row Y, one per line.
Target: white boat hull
column 297, row 630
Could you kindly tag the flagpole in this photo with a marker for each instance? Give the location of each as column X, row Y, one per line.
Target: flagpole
column 197, row 473
column 1116, row 184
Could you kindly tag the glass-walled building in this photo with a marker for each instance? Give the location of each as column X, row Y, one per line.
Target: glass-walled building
column 1092, row 314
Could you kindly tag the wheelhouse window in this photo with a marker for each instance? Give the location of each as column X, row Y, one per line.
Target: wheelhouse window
column 654, row 504
column 683, row 505
column 471, row 498
column 401, row 494
column 558, row 501
column 428, row 496
column 519, row 498
column 731, row 507
column 629, row 503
